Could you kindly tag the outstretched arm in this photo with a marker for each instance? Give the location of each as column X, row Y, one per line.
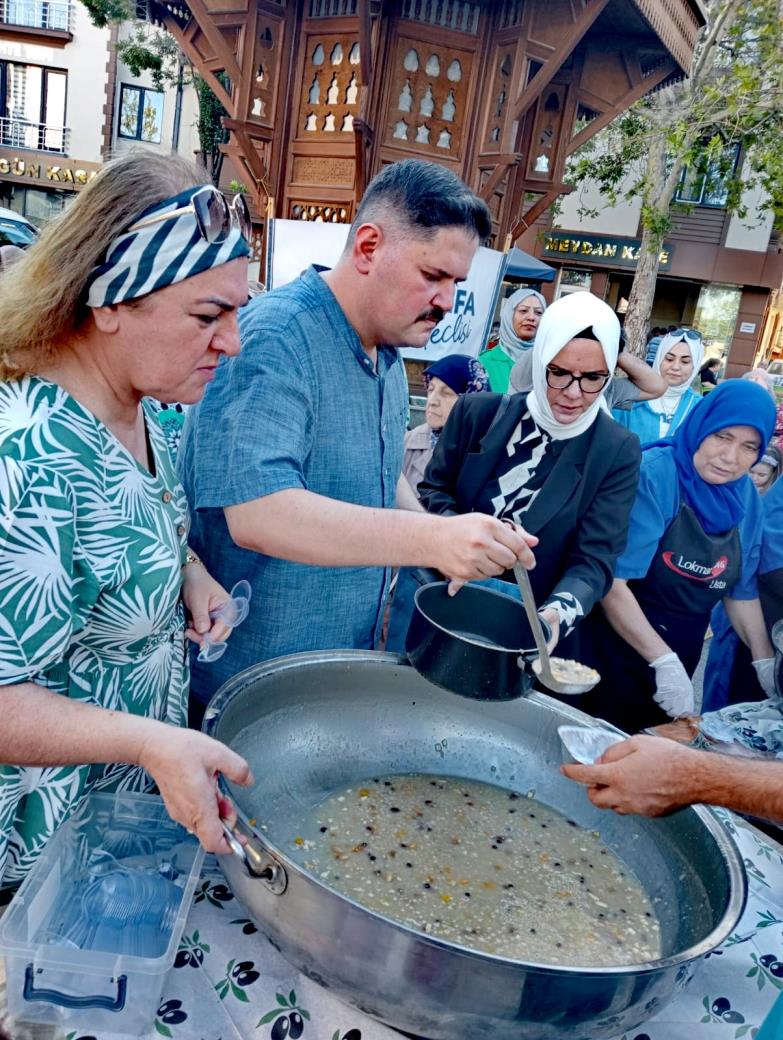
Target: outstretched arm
column 652, row 776
column 42, row 728
column 300, row 525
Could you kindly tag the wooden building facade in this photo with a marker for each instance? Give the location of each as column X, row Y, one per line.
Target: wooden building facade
column 320, row 94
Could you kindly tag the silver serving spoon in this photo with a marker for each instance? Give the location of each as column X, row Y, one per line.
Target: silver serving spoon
column 543, row 667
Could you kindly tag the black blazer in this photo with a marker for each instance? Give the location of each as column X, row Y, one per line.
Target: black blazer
column 581, row 513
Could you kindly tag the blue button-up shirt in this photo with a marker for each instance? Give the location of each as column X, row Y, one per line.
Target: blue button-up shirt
column 302, row 406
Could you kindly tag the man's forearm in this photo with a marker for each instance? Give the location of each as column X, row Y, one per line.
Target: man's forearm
column 745, row 786
column 653, row 776
column 305, row 527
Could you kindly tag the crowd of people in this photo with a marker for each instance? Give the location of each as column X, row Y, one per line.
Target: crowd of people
column 642, row 509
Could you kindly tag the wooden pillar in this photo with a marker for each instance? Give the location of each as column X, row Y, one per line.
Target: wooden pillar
column 744, row 344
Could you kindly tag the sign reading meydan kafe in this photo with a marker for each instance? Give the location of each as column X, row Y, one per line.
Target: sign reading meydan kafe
column 599, row 249
column 54, row 171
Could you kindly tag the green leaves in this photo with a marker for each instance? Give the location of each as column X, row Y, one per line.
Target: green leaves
column 286, row 1004
column 766, row 919
column 104, row 12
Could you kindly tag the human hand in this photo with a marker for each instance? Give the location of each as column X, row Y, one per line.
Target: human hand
column 202, row 594
column 765, row 672
column 646, row 775
column 478, row 546
column 673, row 687
column 184, row 764
column 552, row 618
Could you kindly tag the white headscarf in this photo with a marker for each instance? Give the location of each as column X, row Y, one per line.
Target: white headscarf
column 669, row 402
column 508, row 340
column 561, row 323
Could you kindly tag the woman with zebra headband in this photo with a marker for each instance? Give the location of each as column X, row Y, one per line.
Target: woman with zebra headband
column 131, row 294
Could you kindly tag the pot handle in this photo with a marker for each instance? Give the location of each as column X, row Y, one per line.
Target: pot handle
column 425, row 575
column 256, row 863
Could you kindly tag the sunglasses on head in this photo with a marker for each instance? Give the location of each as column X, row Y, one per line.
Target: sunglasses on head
column 686, row 334
column 214, row 215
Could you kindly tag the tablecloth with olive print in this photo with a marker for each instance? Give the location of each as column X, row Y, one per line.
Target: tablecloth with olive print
column 228, row 983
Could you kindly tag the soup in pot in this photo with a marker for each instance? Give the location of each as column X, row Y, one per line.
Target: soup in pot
column 482, row 867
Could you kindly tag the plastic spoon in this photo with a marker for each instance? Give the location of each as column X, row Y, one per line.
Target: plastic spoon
column 232, row 613
column 542, row 667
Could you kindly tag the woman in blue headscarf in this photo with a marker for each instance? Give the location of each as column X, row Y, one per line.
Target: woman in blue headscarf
column 694, row 539
column 446, row 381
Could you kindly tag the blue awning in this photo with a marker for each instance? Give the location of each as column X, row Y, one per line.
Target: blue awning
column 528, row 268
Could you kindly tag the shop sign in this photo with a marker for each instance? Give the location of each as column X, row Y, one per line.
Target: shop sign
column 605, row 250
column 62, row 173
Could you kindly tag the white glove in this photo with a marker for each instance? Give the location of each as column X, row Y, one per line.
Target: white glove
column 673, row 687
column 765, row 671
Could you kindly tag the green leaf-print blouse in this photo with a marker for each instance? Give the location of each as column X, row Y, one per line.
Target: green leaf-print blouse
column 91, row 549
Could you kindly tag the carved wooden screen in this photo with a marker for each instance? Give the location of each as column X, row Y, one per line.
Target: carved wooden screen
column 501, row 95
column 319, row 213
column 428, row 97
column 268, row 48
column 330, row 87
column 544, row 145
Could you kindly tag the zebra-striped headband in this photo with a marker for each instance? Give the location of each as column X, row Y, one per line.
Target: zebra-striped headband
column 159, row 254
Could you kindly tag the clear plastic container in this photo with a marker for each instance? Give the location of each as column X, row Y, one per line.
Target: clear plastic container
column 93, row 931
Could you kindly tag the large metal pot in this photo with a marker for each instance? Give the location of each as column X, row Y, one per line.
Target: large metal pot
column 312, row 723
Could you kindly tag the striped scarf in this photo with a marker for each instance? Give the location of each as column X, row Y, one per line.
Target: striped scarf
column 153, row 257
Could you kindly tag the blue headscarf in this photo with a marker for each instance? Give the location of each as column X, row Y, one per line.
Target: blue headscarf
column 719, row 507
column 465, row 375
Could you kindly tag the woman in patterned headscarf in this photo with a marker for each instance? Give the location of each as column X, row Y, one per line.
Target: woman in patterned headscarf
column 446, row 380
column 132, row 293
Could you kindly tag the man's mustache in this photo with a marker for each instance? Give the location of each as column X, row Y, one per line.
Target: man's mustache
column 435, row 314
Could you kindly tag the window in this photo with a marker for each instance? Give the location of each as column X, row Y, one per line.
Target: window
column 716, row 316
column 141, row 114
column 707, row 186
column 32, row 107
column 573, row 279
column 37, row 205
column 41, row 14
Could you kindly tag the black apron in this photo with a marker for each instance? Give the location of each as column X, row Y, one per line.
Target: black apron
column 690, row 572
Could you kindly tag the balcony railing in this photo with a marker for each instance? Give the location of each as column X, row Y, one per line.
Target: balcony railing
column 677, row 26
column 54, row 15
column 19, row 133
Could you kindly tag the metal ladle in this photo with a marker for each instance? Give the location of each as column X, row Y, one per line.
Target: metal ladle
column 542, row 667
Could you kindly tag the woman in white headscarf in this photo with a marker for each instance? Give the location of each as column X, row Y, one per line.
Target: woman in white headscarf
column 520, row 317
column 552, row 461
column 677, row 359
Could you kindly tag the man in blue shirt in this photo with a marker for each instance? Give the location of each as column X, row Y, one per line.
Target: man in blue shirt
column 292, row 460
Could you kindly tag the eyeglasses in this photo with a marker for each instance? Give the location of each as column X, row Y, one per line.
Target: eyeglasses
column 214, row 215
column 589, row 382
column 686, row 334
